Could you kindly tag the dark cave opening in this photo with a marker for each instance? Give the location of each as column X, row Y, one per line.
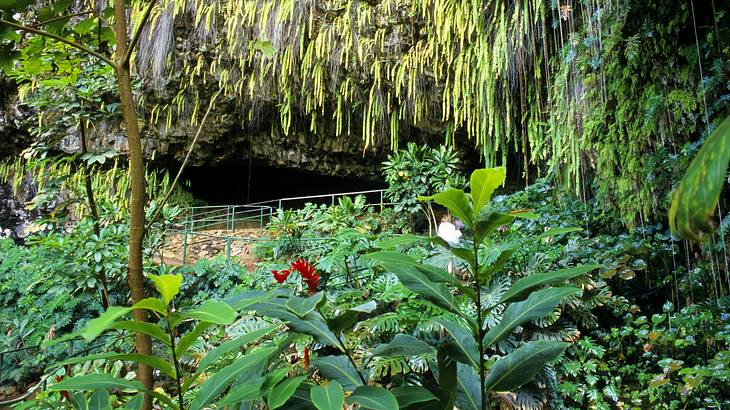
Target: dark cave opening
column 232, row 184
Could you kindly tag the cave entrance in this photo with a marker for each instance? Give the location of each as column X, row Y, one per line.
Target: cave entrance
column 229, row 184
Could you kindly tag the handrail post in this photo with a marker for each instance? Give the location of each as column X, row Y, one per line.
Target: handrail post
column 192, row 220
column 233, row 218
column 279, row 204
column 381, row 201
column 185, row 244
column 228, row 248
column 261, row 217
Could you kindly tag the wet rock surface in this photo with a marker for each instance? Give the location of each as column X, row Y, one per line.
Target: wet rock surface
column 13, row 217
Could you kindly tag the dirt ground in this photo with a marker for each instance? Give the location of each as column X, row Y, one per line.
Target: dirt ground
column 212, row 243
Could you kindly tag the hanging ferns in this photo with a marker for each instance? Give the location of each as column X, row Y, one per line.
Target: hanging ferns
column 465, row 67
column 592, row 91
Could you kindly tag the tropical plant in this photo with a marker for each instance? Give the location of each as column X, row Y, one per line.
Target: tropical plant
column 696, row 198
column 79, row 34
column 417, row 171
column 472, row 336
column 190, row 390
column 668, row 360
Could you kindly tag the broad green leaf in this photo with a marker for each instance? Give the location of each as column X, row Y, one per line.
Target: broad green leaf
column 189, row 338
column 483, row 182
column 96, row 381
column 265, row 47
column 153, row 304
column 418, row 282
column 456, row 201
column 78, row 401
column 135, row 403
column 243, row 392
column 464, row 254
column 312, row 324
column 403, row 345
column 234, row 345
column 408, row 238
column 99, row 400
column 273, row 377
column 696, row 197
column 104, row 322
column 405, row 239
column 338, row 368
column 497, row 258
column 329, row 397
column 520, row 366
column 348, row 318
column 489, row 222
column 301, row 306
column 149, row 360
column 556, row 231
column 221, row 379
column 468, row 396
column 445, row 373
column 374, row 398
column 282, row 391
column 149, row 329
column 394, row 258
column 466, row 350
column 168, row 286
column 214, row 311
column 409, row 395
column 537, row 305
column 301, row 399
column 520, row 289
column 245, row 299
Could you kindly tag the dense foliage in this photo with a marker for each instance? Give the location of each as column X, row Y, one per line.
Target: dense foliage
column 571, row 293
column 331, row 309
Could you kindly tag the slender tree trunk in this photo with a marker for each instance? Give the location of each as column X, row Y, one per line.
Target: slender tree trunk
column 135, row 278
column 94, row 212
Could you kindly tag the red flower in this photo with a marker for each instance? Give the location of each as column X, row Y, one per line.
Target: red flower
column 306, row 357
column 280, row 277
column 308, row 273
column 64, row 393
column 303, row 267
column 312, row 282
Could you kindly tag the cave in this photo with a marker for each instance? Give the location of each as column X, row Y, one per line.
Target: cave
column 234, row 184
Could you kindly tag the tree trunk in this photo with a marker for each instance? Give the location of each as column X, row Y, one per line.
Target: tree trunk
column 135, row 278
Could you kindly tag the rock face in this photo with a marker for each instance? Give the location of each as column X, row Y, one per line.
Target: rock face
column 13, row 216
column 13, row 137
column 223, row 141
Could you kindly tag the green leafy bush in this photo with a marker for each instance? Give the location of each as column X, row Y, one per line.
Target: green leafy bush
column 671, row 360
column 420, row 170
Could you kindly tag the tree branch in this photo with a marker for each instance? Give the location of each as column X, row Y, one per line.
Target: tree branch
column 60, row 39
column 182, row 166
column 138, row 31
column 53, row 20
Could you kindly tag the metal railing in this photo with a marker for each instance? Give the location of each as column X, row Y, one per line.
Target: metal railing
column 286, row 203
column 195, row 221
